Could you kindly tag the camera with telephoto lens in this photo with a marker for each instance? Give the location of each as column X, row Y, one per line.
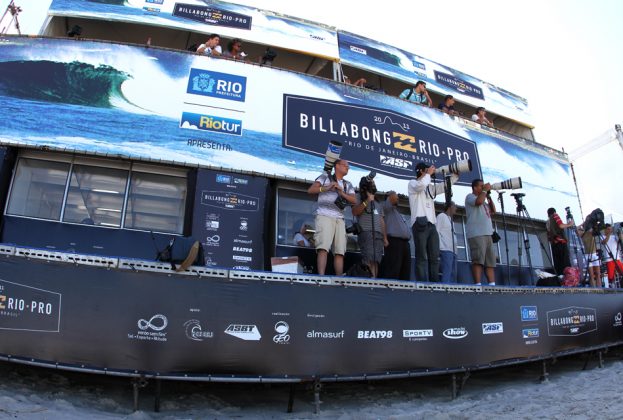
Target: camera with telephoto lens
column 341, row 202
column 455, row 167
column 367, row 185
column 509, row 184
column 595, row 221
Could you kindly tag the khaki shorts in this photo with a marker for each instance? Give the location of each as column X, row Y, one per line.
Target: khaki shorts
column 482, row 251
column 330, row 231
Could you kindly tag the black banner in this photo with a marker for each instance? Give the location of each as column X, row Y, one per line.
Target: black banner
column 373, row 138
column 212, row 16
column 229, row 219
column 174, row 324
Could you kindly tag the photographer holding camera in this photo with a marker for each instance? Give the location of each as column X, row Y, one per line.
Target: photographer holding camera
column 558, row 240
column 422, row 193
column 611, row 250
column 479, row 207
column 334, row 194
column 372, row 238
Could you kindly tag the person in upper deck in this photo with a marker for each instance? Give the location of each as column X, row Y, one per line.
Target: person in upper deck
column 211, row 46
column 417, row 94
column 234, row 50
column 359, row 82
column 481, row 117
column 447, row 105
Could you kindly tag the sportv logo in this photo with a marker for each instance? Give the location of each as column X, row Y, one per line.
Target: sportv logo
column 455, row 333
column 245, row 332
column 417, row 333
column 395, row 162
column 217, row 85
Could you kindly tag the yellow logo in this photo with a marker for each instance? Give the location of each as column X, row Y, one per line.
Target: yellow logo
column 405, row 142
column 2, row 300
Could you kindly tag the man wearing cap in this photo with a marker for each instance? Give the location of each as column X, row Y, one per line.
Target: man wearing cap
column 422, row 193
column 396, row 263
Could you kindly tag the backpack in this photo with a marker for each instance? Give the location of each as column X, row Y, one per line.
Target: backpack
column 182, row 251
column 359, row 270
column 571, row 277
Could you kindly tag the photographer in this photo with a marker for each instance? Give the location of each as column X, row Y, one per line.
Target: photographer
column 447, row 243
column 422, row 193
column 611, row 249
column 590, row 250
column 372, row 238
column 330, row 228
column 396, row 262
column 558, row 240
column 479, row 207
column 303, row 236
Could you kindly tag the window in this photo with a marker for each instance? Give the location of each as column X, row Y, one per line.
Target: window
column 296, row 207
column 38, row 189
column 95, row 196
column 459, row 233
column 100, row 193
column 539, row 256
column 156, row 202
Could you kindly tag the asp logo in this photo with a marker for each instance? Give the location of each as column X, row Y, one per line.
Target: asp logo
column 244, row 332
column 492, row 328
column 395, row 162
column 217, row 85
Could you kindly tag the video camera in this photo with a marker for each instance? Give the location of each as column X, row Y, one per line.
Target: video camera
column 509, row 184
column 367, row 185
column 595, row 221
column 569, row 215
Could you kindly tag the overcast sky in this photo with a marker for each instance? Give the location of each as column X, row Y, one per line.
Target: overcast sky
column 564, row 57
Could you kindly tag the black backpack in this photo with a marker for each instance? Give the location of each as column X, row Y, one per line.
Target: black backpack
column 359, row 270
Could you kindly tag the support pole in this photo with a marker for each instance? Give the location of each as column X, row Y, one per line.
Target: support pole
column 601, row 359
column 544, row 373
column 455, row 391
column 317, row 388
column 157, row 395
column 291, row 397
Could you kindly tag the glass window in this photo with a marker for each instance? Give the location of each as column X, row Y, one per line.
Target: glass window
column 95, row 196
column 156, row 202
column 461, row 249
column 298, row 207
column 38, row 189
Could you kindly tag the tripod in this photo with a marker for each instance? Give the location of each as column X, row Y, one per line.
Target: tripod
column 522, row 235
column 508, row 264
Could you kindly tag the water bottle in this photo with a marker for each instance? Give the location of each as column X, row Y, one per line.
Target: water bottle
column 605, row 280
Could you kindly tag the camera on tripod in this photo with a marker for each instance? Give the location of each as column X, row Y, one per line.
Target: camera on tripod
column 595, row 221
column 569, row 215
column 367, row 185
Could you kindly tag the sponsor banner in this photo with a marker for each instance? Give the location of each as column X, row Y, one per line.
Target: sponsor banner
column 227, row 19
column 193, row 110
column 571, row 321
column 28, row 308
column 379, row 58
column 387, row 142
column 212, row 16
column 242, row 328
column 459, row 85
column 228, row 219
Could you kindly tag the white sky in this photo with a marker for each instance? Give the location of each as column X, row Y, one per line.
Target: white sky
column 564, row 56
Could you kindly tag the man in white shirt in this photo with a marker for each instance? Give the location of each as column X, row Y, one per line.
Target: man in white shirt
column 481, row 117
column 422, row 193
column 447, row 243
column 211, row 46
column 610, row 247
